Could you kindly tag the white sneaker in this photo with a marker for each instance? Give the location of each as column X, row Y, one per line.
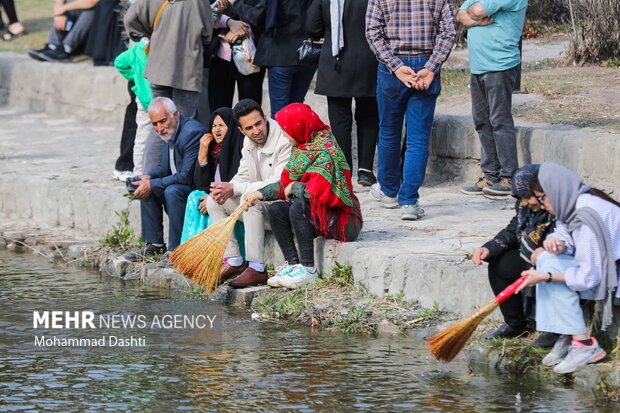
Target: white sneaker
column 298, row 277
column 386, row 201
column 579, row 355
column 411, row 212
column 281, row 271
column 122, row 175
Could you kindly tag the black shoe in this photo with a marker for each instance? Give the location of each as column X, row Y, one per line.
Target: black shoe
column 365, row 178
column 56, row 55
column 505, row 331
column 38, row 54
column 545, row 340
column 142, row 253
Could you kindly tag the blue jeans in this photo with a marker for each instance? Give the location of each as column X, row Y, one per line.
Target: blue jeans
column 396, row 103
column 288, row 84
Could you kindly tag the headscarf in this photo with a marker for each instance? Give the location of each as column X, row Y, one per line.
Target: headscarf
column 336, row 11
column 318, row 162
column 531, row 226
column 228, row 153
column 563, row 187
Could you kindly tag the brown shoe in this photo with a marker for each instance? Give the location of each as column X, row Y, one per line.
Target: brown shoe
column 229, row 271
column 249, row 277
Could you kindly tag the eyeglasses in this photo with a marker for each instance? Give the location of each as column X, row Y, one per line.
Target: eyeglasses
column 541, row 199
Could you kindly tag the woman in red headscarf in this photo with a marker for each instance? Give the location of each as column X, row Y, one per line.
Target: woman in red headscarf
column 315, row 195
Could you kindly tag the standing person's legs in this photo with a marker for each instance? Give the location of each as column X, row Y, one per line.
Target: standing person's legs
column 186, row 101
column 175, row 198
column 221, row 83
column 367, row 123
column 282, row 229
column 392, row 96
column 420, row 114
column 489, row 163
column 144, row 128
column 341, row 122
column 251, row 86
column 499, row 87
column 124, row 163
column 152, row 151
column 203, row 106
column 280, row 83
column 301, row 83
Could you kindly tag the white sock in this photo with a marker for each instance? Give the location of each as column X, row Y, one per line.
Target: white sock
column 157, row 245
column 311, row 270
column 235, row 261
column 257, row 266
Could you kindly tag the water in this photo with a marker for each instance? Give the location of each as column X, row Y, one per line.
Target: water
column 252, row 366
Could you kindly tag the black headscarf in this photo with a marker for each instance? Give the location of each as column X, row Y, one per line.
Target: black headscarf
column 229, row 157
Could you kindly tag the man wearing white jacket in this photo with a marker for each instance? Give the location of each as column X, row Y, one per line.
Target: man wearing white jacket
column 265, row 153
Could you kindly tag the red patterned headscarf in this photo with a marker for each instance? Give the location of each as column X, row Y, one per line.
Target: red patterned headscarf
column 318, row 162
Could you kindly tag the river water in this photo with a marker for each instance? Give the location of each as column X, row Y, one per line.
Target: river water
column 247, row 366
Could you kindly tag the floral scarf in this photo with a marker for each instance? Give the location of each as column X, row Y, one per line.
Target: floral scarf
column 317, row 161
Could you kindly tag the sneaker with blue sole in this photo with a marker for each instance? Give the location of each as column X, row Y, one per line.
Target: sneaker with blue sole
column 298, row 277
column 281, row 272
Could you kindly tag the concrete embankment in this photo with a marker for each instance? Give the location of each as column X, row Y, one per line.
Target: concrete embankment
column 61, row 132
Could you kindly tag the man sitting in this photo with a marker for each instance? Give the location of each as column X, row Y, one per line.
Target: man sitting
column 167, row 185
column 263, row 157
column 72, row 23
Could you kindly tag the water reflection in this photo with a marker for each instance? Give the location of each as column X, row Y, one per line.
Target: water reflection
column 251, row 367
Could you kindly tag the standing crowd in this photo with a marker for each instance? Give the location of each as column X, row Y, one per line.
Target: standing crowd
column 380, row 65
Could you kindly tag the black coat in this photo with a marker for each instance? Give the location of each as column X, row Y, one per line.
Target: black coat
column 278, row 47
column 229, row 158
column 354, row 73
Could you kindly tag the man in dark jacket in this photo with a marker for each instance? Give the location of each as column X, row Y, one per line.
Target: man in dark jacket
column 167, row 186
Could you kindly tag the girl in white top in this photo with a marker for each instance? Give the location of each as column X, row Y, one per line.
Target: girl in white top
column 589, row 228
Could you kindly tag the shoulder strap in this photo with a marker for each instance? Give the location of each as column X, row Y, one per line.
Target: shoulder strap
column 161, row 9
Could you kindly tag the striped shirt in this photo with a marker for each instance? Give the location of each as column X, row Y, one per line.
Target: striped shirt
column 410, row 28
column 587, row 272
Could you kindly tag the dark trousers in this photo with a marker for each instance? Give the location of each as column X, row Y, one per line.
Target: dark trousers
column 288, row 84
column 151, row 214
column 503, row 271
column 9, row 9
column 491, row 97
column 186, row 101
column 128, row 136
column 285, row 218
column 222, row 78
column 367, row 121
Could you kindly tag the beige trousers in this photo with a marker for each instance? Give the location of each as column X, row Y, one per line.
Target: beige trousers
column 255, row 220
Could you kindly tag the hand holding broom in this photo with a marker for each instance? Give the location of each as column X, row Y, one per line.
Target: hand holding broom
column 446, row 344
column 200, row 257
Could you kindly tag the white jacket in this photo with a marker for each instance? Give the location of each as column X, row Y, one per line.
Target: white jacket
column 272, row 159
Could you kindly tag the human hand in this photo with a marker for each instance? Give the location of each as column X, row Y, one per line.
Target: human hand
column 426, row 78
column 60, row 22
column 554, row 246
column 58, row 10
column 535, row 254
column 143, row 189
column 231, row 37
column 221, row 191
column 202, row 205
column 253, row 198
column 221, row 5
column 533, row 277
column 407, row 75
column 203, row 149
column 237, row 27
column 288, row 189
column 480, row 254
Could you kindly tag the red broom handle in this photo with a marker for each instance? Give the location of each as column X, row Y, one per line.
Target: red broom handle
column 510, row 290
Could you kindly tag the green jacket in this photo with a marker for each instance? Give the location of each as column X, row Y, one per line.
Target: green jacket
column 298, row 190
column 131, row 64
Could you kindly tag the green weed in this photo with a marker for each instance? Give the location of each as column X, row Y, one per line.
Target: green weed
column 342, row 274
column 196, row 291
column 355, row 321
column 122, row 237
column 430, row 313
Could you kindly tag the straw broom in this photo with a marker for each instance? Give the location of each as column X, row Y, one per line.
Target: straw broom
column 200, row 257
column 446, row 344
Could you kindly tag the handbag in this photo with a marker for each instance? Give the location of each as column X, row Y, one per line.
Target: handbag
column 308, row 53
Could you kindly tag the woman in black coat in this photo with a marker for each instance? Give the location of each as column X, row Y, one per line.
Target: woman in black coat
column 218, row 161
column 347, row 70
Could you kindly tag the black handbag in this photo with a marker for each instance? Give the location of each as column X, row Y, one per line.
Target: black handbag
column 308, row 53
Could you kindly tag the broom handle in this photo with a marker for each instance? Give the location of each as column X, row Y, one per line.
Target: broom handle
column 510, row 290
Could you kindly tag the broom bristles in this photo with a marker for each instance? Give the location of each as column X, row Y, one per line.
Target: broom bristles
column 446, row 344
column 200, row 257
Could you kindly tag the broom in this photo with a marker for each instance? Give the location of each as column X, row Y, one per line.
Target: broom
column 446, row 344
column 200, row 257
